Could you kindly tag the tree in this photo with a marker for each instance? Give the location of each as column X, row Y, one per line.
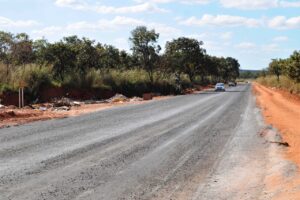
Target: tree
column 222, row 69
column 276, row 68
column 22, row 50
column 263, row 73
column 40, row 51
column 293, row 69
column 63, row 59
column 126, row 60
column 86, row 55
column 232, row 69
column 186, row 56
column 110, row 57
column 72, row 54
column 212, row 66
column 145, row 49
column 6, row 41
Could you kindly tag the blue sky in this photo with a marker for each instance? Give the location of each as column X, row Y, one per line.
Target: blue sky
column 253, row 31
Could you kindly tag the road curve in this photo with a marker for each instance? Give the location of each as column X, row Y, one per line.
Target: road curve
column 168, row 149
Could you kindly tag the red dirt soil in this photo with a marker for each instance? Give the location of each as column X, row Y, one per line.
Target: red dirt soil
column 282, row 110
column 12, row 117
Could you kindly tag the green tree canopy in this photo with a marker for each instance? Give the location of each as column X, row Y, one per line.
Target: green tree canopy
column 293, row 69
column 186, row 56
column 145, row 48
column 276, row 68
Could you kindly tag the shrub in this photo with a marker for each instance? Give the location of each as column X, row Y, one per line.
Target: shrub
column 6, row 88
column 37, row 79
column 283, row 83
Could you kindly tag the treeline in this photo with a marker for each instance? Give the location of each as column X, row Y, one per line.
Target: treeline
column 84, row 63
column 249, row 74
column 289, row 67
column 283, row 73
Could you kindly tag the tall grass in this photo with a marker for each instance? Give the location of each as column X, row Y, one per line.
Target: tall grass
column 130, row 82
column 283, row 83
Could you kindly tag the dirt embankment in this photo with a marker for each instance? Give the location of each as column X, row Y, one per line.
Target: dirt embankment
column 282, row 111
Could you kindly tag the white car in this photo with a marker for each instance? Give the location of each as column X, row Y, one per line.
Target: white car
column 220, row 87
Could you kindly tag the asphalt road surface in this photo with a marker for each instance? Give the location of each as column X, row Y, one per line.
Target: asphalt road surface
column 200, row 146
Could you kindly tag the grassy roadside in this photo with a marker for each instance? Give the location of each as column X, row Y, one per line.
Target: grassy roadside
column 284, row 83
column 129, row 82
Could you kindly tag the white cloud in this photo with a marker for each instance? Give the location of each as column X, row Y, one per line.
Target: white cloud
column 103, row 9
column 201, row 36
column 258, row 4
column 249, row 4
column 278, row 22
column 164, row 30
column 117, row 23
column 282, row 22
column 287, row 4
column 9, row 23
column 102, row 25
column 212, row 46
column 226, row 35
column 249, row 47
column 270, row 48
column 196, row 1
column 208, row 36
column 246, row 45
column 105, row 24
column 70, row 3
column 180, row 1
column 280, row 39
column 51, row 30
column 221, row 20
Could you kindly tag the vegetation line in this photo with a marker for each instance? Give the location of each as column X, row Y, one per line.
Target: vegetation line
column 283, row 73
column 81, row 63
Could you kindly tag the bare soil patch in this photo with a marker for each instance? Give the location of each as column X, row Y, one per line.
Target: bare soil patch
column 282, row 110
column 12, row 116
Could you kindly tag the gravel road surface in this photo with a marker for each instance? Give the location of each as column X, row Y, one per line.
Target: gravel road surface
column 200, row 146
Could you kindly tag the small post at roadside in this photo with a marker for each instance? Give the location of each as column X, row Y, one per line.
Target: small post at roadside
column 21, row 94
column 20, row 98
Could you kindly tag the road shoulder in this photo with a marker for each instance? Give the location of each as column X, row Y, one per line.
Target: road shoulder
column 283, row 113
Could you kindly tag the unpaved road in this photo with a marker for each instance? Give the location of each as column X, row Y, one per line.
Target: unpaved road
column 201, row 146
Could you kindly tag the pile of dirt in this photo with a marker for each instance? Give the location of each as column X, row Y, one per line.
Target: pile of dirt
column 60, row 108
column 62, row 102
column 118, row 98
column 13, row 114
column 7, row 114
column 136, row 99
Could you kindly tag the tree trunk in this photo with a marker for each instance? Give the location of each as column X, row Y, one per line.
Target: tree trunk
column 191, row 79
column 150, row 74
column 202, row 79
column 7, row 70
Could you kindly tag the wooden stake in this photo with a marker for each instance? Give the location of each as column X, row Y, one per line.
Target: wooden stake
column 20, row 98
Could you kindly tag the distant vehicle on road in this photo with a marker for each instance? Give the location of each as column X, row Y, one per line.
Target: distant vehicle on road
column 232, row 84
column 220, row 87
